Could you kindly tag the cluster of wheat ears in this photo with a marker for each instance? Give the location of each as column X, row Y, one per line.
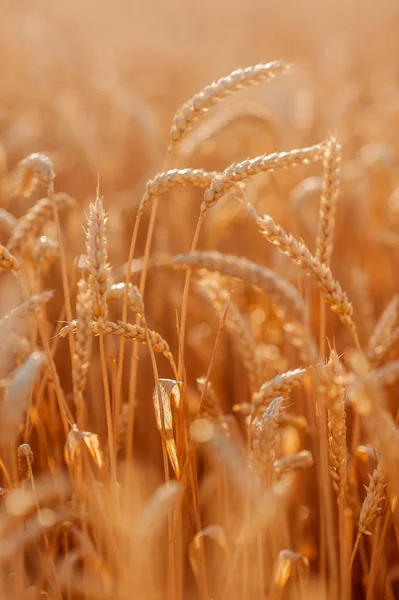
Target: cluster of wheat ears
column 289, row 493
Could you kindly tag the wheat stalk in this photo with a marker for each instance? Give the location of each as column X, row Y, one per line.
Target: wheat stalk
column 329, row 196
column 237, row 326
column 338, row 452
column 209, row 407
column 239, row 172
column 301, row 255
column 201, row 102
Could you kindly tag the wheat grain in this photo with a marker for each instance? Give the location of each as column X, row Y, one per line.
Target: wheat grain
column 201, row 102
column 239, row 172
column 301, row 255
column 97, row 258
column 328, row 202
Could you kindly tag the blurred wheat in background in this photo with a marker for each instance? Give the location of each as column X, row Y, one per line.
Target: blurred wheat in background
column 199, row 305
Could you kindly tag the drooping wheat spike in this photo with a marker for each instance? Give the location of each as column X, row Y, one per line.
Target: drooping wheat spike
column 35, row 168
column 209, row 407
column 264, row 429
column 383, row 335
column 83, row 342
column 328, row 202
column 301, row 460
column 237, row 326
column 201, row 102
column 338, row 452
column 133, row 332
column 117, row 291
column 30, row 224
column 97, row 258
column 25, row 309
column 375, row 494
column 25, row 460
column 280, row 291
column 165, row 181
column 7, row 260
column 239, row 172
column 301, row 255
column 278, row 386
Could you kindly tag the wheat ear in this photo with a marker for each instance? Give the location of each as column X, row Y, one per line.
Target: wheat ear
column 117, row 291
column 264, row 430
column 25, row 460
column 35, row 168
column 328, row 203
column 83, row 344
column 25, row 309
column 29, row 225
column 97, row 258
column 375, row 493
column 201, row 102
column 280, row 291
column 238, row 172
column 210, row 406
column 383, row 335
column 338, row 452
column 301, row 255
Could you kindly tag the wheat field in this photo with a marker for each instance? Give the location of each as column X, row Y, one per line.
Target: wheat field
column 199, row 308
